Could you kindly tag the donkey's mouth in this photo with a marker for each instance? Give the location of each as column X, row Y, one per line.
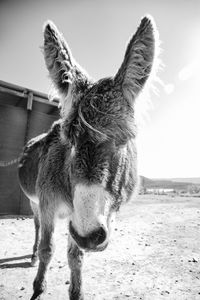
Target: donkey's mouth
column 95, row 241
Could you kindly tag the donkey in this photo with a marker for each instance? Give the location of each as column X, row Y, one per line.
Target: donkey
column 85, row 166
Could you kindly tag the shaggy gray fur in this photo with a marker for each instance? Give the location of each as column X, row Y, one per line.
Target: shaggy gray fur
column 93, row 144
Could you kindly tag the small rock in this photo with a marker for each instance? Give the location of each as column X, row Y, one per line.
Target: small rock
column 67, row 282
column 164, row 292
column 60, row 267
column 22, row 288
column 193, row 260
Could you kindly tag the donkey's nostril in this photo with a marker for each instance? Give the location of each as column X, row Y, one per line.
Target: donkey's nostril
column 92, row 240
column 98, row 236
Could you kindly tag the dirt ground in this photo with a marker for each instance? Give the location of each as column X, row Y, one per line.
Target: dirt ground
column 154, row 254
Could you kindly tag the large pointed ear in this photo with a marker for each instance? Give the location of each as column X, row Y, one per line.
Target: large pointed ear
column 138, row 60
column 63, row 69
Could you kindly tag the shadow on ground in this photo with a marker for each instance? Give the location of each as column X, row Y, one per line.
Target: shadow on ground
column 5, row 265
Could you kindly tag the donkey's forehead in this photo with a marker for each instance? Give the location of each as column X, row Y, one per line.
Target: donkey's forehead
column 104, row 99
column 100, row 87
column 98, row 113
column 98, row 99
column 104, row 85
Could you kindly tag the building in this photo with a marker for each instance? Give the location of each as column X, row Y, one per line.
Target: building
column 24, row 114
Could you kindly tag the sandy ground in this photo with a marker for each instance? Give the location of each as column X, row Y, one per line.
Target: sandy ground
column 154, row 254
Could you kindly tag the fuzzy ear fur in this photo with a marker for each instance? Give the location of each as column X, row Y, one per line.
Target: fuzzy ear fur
column 138, row 59
column 58, row 58
column 63, row 69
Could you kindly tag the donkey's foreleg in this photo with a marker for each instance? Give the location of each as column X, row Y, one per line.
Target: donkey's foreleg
column 46, row 250
column 75, row 261
column 34, row 257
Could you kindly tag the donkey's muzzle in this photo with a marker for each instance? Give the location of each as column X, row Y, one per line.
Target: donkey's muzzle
column 92, row 241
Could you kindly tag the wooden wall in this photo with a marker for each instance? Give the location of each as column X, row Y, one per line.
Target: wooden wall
column 16, row 125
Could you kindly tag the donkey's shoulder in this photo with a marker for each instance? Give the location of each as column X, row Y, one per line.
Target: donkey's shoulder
column 44, row 140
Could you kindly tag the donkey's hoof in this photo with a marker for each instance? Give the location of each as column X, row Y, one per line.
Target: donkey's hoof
column 75, row 296
column 72, row 297
column 39, row 290
column 34, row 260
column 35, row 296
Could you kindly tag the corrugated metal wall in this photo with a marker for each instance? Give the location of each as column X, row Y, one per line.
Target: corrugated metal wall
column 17, row 124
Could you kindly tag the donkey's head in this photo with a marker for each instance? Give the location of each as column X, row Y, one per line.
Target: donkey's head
column 98, row 120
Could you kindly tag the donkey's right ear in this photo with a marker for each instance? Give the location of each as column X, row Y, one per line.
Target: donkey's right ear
column 63, row 69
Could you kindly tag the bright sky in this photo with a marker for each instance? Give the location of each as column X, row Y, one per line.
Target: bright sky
column 97, row 32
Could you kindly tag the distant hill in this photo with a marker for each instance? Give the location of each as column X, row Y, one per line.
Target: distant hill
column 174, row 183
column 193, row 180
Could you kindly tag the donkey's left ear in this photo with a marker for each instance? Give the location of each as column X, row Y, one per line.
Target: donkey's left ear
column 138, row 60
column 63, row 69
